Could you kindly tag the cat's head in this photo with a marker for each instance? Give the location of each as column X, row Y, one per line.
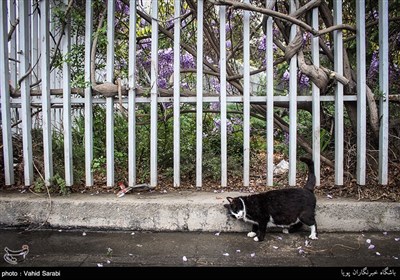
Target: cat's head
column 235, row 207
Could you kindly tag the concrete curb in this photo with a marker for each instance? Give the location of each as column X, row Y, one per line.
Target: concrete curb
column 184, row 211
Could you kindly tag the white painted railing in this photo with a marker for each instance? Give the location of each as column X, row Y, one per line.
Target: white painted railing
column 19, row 48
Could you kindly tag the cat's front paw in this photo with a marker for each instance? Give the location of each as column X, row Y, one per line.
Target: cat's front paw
column 313, row 236
column 251, row 234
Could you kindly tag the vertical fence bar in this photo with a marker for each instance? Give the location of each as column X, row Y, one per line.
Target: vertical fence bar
column 66, row 42
column 361, row 92
column 384, row 90
column 316, row 105
column 35, row 43
column 13, row 43
column 88, row 96
column 270, row 97
column 5, row 98
column 153, row 93
column 338, row 65
column 23, row 29
column 292, row 106
column 177, row 124
column 246, row 97
column 46, row 113
column 110, row 100
column 223, row 125
column 199, row 94
column 132, row 93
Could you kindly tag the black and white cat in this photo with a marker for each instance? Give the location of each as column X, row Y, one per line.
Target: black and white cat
column 288, row 208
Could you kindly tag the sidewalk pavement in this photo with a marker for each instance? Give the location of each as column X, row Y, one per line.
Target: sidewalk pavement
column 70, row 253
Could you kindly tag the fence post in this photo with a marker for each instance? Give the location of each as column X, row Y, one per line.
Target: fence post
column 88, row 96
column 23, row 29
column 132, row 95
column 246, row 97
column 199, row 95
column 384, row 90
column 316, row 105
column 177, row 124
column 338, row 65
column 361, row 92
column 110, row 100
column 5, row 98
column 292, row 106
column 67, row 106
column 270, row 96
column 222, row 98
column 154, row 93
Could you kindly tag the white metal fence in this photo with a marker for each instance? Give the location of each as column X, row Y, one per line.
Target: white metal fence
column 31, row 41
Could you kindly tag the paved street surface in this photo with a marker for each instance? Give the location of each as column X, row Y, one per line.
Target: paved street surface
column 345, row 252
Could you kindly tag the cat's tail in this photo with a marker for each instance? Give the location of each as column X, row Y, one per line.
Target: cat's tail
column 311, row 175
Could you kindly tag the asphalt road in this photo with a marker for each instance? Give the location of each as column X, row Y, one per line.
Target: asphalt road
column 57, row 251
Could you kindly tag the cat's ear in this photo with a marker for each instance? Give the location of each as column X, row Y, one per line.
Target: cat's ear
column 230, row 199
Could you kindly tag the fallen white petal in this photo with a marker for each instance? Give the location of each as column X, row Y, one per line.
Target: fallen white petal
column 100, row 265
column 371, row 246
column 368, row 241
column 217, row 233
column 396, row 258
column 397, row 239
column 132, row 233
column 84, row 233
column 329, row 196
column 108, row 261
column 385, row 233
column 139, row 245
column 237, row 251
column 130, row 254
column 280, row 238
column 378, row 253
column 301, row 251
column 252, row 254
column 225, row 254
column 184, row 259
column 275, row 247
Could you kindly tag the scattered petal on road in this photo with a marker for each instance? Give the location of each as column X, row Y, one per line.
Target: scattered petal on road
column 378, row 253
column 225, row 254
column 396, row 258
column 278, row 237
column 184, row 258
column 132, row 233
column 329, row 196
column 100, row 265
column 237, row 251
column 252, row 255
column 84, row 233
column 397, row 239
column 384, row 233
column 139, row 245
column 371, row 246
column 217, row 233
column 368, row 241
column 108, row 261
column 275, row 247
